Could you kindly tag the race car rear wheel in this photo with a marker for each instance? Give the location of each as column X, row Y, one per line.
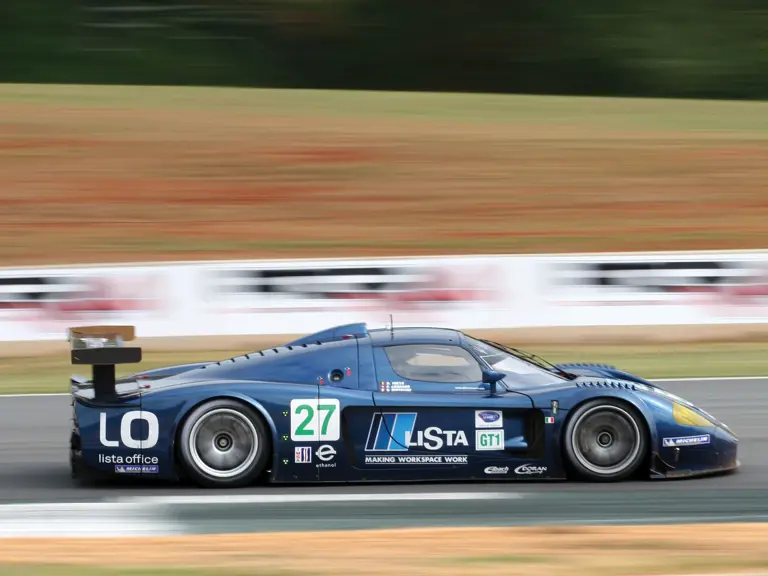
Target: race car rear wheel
column 224, row 443
column 605, row 440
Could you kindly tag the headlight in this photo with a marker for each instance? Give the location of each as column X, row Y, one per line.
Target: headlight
column 688, row 417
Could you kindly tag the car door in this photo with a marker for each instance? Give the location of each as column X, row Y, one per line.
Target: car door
column 345, row 410
column 434, row 411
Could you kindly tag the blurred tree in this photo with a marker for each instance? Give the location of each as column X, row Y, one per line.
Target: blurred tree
column 693, row 48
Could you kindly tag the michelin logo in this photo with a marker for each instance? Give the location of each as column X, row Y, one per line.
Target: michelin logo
column 136, row 469
column 687, row 440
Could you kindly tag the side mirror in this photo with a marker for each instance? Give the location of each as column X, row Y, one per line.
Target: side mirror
column 492, row 377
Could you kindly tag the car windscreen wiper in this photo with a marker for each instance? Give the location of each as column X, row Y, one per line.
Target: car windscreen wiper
column 533, row 359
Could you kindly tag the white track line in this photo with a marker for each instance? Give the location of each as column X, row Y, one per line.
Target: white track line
column 152, row 516
column 319, row 498
column 85, row 520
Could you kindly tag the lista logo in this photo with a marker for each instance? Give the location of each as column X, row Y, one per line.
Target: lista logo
column 394, row 432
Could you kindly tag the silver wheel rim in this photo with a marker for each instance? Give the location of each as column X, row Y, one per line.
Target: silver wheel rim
column 223, row 443
column 606, row 440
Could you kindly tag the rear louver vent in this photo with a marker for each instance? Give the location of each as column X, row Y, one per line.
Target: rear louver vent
column 606, row 384
column 587, row 365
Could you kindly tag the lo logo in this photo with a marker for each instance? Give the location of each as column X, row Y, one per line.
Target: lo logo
column 125, row 430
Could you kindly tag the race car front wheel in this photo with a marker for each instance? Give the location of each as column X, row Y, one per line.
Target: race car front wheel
column 223, row 443
column 605, row 440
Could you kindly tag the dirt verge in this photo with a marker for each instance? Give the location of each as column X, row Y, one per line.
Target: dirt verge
column 552, row 550
column 118, row 175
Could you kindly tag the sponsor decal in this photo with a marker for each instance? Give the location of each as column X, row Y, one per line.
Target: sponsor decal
column 529, row 469
column 549, row 420
column 435, row 438
column 394, row 387
column 136, row 469
column 315, row 420
column 129, row 459
column 489, row 439
column 326, row 453
column 496, row 470
column 302, row 455
column 687, row 440
column 126, row 434
column 416, row 459
column 555, row 406
column 488, row 419
column 394, row 432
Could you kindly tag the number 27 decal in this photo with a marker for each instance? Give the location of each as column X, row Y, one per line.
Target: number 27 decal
column 315, row 420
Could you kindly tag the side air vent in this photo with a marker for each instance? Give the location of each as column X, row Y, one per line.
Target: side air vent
column 587, row 365
column 605, row 384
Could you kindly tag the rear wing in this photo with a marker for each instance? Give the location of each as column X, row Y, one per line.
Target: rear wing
column 102, row 347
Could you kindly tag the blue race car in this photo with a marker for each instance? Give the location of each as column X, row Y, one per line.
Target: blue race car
column 352, row 404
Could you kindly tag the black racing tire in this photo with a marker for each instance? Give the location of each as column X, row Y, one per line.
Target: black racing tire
column 605, row 440
column 224, row 444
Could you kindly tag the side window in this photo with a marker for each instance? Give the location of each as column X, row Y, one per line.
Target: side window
column 434, row 363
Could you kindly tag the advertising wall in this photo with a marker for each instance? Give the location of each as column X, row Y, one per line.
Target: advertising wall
column 468, row 292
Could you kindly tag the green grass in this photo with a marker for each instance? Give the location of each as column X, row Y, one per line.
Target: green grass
column 671, row 360
column 506, row 559
column 50, row 374
column 616, row 113
column 54, row 570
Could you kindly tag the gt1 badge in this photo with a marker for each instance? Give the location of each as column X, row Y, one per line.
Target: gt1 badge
column 315, row 420
column 126, row 436
column 489, row 439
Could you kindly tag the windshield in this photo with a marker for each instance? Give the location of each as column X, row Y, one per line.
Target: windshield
column 518, row 369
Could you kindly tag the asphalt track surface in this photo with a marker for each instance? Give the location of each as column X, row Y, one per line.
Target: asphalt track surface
column 34, row 433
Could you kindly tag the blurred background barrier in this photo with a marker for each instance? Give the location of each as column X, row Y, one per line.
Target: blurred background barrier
column 467, row 292
column 687, row 48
